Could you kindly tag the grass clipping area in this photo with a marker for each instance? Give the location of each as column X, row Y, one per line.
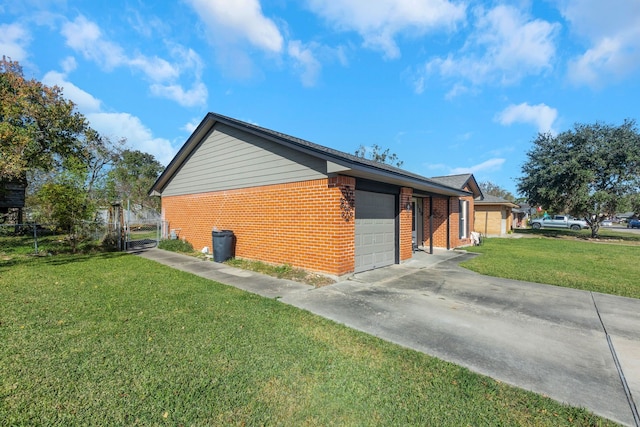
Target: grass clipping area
column 113, row 339
column 607, row 266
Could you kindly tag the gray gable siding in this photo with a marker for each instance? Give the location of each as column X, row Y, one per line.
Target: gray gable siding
column 229, row 158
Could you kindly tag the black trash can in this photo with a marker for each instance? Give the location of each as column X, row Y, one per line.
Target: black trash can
column 223, row 245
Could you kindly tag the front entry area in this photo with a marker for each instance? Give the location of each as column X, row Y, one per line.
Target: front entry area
column 417, row 223
column 375, row 230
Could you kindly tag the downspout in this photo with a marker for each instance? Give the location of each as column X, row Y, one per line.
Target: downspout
column 486, row 223
column 448, row 223
column 431, row 225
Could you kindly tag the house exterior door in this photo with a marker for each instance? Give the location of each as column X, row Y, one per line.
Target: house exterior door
column 417, row 232
column 375, row 230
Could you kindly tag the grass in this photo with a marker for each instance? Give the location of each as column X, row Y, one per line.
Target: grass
column 177, row 245
column 282, row 272
column 114, row 339
column 143, row 235
column 605, row 235
column 564, row 258
column 50, row 244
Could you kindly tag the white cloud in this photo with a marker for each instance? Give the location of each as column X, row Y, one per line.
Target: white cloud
column 86, row 37
column 113, row 125
column 305, row 61
column 380, row 22
column 192, row 125
column 419, row 83
column 69, row 64
column 236, row 32
column 505, row 46
column 486, row 166
column 138, row 136
column 464, row 136
column 241, row 21
column 14, row 39
column 85, row 102
column 542, row 116
column 157, row 69
column 457, row 90
column 197, row 95
column 613, row 29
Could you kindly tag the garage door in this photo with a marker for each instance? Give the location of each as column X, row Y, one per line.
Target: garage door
column 375, row 244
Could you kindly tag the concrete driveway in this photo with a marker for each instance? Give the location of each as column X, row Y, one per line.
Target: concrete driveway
column 574, row 346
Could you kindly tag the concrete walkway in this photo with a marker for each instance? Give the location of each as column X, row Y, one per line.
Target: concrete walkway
column 577, row 347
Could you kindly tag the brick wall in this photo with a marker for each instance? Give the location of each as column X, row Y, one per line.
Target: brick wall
column 440, row 222
column 306, row 224
column 406, row 219
column 489, row 219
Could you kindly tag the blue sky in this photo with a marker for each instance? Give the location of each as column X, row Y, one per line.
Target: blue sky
column 449, row 86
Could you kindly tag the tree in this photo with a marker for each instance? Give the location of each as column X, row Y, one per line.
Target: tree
column 38, row 127
column 98, row 154
column 131, row 178
column 488, row 188
column 47, row 144
column 587, row 172
column 376, row 154
column 66, row 202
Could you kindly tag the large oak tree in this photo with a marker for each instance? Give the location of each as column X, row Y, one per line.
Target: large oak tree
column 39, row 128
column 590, row 171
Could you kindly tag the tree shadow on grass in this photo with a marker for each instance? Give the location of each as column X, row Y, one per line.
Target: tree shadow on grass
column 60, row 259
column 82, row 257
column 604, row 235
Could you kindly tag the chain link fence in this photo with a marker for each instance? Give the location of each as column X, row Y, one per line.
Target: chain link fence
column 142, row 234
column 40, row 238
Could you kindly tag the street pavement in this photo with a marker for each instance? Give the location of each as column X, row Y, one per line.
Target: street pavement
column 578, row 347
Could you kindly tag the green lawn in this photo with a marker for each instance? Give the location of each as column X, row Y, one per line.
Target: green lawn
column 113, row 339
column 560, row 258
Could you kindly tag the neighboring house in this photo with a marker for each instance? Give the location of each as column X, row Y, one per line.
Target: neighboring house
column 521, row 215
column 290, row 201
column 493, row 216
column 625, row 216
column 131, row 214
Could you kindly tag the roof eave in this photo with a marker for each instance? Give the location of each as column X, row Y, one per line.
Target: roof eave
column 353, row 167
column 508, row 204
column 185, row 151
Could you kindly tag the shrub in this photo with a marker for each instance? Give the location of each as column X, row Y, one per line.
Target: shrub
column 175, row 245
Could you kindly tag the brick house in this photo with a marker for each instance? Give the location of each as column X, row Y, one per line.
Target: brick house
column 493, row 215
column 290, row 201
column 442, row 211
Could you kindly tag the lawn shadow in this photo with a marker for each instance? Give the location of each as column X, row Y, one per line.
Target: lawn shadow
column 604, row 234
column 63, row 259
column 58, row 259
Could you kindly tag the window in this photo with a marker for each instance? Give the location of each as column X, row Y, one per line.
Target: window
column 464, row 218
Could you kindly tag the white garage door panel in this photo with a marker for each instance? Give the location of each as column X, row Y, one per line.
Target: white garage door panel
column 375, row 240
